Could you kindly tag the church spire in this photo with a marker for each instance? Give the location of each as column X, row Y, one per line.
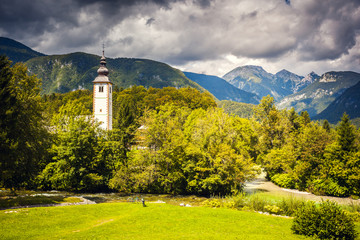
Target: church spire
column 102, row 95
column 102, row 69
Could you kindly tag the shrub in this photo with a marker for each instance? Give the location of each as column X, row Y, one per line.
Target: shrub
column 213, row 203
column 289, row 206
column 283, row 180
column 257, row 203
column 272, row 209
column 328, row 187
column 327, row 221
column 237, row 201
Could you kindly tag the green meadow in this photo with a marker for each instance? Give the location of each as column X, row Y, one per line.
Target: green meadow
column 133, row 221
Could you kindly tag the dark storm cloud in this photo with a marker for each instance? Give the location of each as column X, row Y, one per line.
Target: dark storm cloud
column 332, row 28
column 150, row 21
column 26, row 20
column 19, row 17
column 38, row 16
column 64, row 22
column 186, row 31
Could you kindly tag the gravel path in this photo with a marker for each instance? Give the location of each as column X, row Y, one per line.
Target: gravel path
column 260, row 184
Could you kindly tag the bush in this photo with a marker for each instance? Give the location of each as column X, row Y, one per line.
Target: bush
column 236, row 201
column 272, row 209
column 257, row 203
column 283, row 180
column 289, row 206
column 327, row 221
column 328, row 187
column 213, row 203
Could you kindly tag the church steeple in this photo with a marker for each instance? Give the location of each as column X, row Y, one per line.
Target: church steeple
column 102, row 102
column 102, row 69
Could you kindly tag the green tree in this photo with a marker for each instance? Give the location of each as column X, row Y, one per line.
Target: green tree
column 294, row 120
column 339, row 171
column 274, row 125
column 54, row 101
column 326, row 125
column 346, row 135
column 312, row 142
column 188, row 151
column 305, row 118
column 23, row 136
column 76, row 164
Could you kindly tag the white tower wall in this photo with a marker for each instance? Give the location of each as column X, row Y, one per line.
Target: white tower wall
column 102, row 97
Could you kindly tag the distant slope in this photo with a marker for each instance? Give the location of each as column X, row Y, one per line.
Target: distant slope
column 252, row 79
column 348, row 102
column 318, row 95
column 16, row 51
column 221, row 89
column 243, row 110
column 64, row 73
column 256, row 80
column 290, row 81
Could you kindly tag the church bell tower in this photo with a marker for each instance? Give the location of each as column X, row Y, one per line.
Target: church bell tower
column 102, row 96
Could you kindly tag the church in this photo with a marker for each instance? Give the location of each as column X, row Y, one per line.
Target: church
column 102, row 96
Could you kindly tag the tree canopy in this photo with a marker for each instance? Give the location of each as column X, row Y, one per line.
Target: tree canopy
column 167, row 140
column 23, row 136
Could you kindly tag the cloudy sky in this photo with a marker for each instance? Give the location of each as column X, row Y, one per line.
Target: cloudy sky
column 203, row 36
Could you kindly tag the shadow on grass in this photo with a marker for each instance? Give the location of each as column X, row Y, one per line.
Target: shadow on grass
column 17, row 201
column 97, row 199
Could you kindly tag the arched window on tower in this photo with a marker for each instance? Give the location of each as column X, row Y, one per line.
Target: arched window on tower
column 101, row 88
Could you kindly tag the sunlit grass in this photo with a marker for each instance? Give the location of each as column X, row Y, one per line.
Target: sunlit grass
column 133, row 221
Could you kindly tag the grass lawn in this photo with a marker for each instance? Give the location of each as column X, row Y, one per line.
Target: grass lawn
column 133, row 221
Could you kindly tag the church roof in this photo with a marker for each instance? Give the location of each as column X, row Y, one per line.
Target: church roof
column 102, row 72
column 102, row 79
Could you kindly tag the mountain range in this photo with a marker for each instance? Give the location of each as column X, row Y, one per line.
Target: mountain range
column 221, row 89
column 256, row 80
column 68, row 72
column 319, row 95
column 324, row 97
column 348, row 102
column 312, row 93
column 64, row 73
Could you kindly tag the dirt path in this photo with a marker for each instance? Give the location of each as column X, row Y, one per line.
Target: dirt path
column 262, row 185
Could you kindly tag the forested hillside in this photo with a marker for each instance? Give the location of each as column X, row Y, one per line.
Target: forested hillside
column 348, row 102
column 243, row 110
column 64, row 73
column 17, row 51
column 221, row 89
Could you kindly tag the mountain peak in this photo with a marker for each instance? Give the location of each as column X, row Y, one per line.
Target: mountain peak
column 256, row 80
column 335, row 76
column 284, row 71
column 286, row 74
column 328, row 77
